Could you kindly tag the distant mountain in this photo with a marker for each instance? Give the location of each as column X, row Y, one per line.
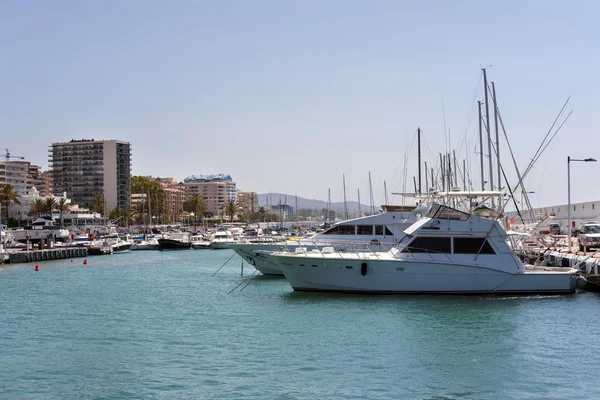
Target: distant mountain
column 312, row 204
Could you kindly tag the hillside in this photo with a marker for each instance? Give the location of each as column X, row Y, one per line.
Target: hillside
column 308, row 203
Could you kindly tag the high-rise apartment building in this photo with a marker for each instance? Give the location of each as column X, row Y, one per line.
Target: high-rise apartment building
column 217, row 190
column 86, row 168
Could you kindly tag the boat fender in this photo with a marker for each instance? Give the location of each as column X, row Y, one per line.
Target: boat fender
column 581, row 282
column 363, row 269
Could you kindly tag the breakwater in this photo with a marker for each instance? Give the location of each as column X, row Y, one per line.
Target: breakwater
column 48, row 254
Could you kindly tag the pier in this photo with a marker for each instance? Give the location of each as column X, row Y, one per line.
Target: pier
column 48, row 254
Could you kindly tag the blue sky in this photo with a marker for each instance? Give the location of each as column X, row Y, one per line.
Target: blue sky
column 288, row 96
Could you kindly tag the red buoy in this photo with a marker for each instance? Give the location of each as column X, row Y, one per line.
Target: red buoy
column 84, row 262
column 37, row 267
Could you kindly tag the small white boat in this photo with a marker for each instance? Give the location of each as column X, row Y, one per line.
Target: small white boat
column 221, row 240
column 148, row 244
column 448, row 251
column 199, row 242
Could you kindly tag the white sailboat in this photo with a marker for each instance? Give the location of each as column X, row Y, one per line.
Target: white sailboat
column 448, row 251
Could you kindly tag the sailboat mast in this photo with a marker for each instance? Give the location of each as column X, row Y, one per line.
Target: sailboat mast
column 426, row 180
column 455, row 169
column 385, row 197
column 345, row 204
column 487, row 127
column 371, row 195
column 359, row 211
column 497, row 142
column 481, row 147
column 418, row 156
column 443, row 172
column 464, row 175
column 328, row 206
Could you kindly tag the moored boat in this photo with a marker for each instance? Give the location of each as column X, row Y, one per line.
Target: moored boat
column 175, row 241
column 448, row 251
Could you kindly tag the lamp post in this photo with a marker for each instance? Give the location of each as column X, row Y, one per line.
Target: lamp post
column 569, row 159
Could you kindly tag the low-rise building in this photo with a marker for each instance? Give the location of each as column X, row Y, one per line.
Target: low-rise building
column 21, row 175
column 248, row 202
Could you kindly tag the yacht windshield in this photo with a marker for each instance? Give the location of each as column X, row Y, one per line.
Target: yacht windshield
column 439, row 211
column 591, row 229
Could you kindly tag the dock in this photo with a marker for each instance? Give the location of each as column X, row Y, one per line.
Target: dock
column 46, row 254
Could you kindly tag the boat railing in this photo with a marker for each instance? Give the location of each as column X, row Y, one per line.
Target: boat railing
column 429, row 252
column 359, row 249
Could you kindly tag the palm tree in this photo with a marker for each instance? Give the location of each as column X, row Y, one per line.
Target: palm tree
column 231, row 208
column 62, row 206
column 50, row 205
column 196, row 204
column 36, row 208
column 8, row 196
column 97, row 204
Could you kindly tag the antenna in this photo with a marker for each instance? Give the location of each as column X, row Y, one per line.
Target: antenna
column 7, row 156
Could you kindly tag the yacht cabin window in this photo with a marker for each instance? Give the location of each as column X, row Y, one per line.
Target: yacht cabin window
column 380, row 229
column 438, row 244
column 340, row 230
column 472, row 246
column 439, row 211
column 429, row 245
column 364, row 229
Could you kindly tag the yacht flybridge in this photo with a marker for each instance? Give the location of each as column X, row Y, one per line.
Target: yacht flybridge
column 447, row 251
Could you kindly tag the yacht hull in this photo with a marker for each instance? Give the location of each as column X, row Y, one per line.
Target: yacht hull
column 172, row 244
column 393, row 276
column 259, row 254
column 220, row 245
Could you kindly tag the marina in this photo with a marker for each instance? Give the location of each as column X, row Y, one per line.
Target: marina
column 307, row 201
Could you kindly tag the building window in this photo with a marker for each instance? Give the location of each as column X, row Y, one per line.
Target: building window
column 472, row 246
column 364, row 229
column 593, row 206
column 574, row 208
column 428, row 245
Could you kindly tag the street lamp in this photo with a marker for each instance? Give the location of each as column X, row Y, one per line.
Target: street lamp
column 569, row 159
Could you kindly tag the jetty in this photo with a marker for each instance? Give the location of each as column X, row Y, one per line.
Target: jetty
column 23, row 256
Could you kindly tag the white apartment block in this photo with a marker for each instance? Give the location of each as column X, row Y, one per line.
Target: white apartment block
column 21, row 175
column 86, row 168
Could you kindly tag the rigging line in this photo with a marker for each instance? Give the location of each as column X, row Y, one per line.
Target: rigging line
column 249, row 281
column 557, row 130
column 547, row 144
column 234, row 253
column 467, row 121
column 404, row 170
column 242, row 282
column 549, row 131
column 398, row 167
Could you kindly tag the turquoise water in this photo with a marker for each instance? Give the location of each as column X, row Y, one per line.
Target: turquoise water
column 156, row 325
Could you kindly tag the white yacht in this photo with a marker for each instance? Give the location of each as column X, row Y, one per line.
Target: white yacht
column 45, row 227
column 221, row 240
column 380, row 231
column 447, row 251
column 150, row 243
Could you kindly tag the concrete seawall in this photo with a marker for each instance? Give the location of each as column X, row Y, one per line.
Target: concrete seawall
column 42, row 255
